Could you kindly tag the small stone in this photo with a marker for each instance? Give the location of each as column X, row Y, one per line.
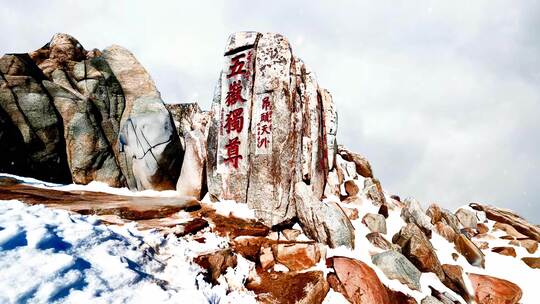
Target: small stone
column 291, row 234
column 352, row 213
column 362, row 164
column 297, row 256
column 532, row 262
column 375, row 222
column 530, row 245
column 509, row 251
column 455, row 256
column 351, row 188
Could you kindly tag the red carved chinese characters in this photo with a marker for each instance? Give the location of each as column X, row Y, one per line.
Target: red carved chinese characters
column 264, row 127
column 234, row 94
column 233, row 154
column 235, row 121
column 237, row 66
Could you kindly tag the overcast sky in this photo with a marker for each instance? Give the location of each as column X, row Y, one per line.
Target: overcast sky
column 443, row 97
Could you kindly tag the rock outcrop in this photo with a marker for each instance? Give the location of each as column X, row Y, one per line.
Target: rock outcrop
column 71, row 115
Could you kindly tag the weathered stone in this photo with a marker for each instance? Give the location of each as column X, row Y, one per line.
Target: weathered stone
column 430, row 300
column 468, row 249
column 297, row 256
column 379, row 241
column 490, row 290
column 375, row 222
column 438, row 214
column 192, row 179
column 374, row 191
column 358, row 282
column 509, row 251
column 454, row 280
column 510, row 218
column 482, row 228
column 445, row 231
column 290, row 287
column 443, row 297
column 291, row 234
column 533, row 262
column 266, row 258
column 323, row 222
column 467, row 218
column 152, row 155
column 511, row 231
column 362, row 164
column 351, row 188
column 352, row 213
column 89, row 154
column 396, row 266
column 347, row 168
column 216, row 263
column 36, row 145
column 413, row 213
column 530, row 245
column 417, row 248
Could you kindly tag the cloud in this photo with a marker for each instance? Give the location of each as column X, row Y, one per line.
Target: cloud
column 442, row 97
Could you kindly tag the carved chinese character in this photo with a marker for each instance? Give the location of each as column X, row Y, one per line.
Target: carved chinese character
column 233, row 152
column 266, row 104
column 235, row 121
column 266, row 116
column 264, row 129
column 262, row 142
column 234, row 94
column 237, row 66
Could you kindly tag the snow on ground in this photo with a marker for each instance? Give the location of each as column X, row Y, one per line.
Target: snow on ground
column 49, row 255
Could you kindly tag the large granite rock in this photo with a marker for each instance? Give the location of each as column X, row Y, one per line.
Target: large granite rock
column 272, row 126
column 323, row 222
column 151, row 151
column 35, row 139
column 396, row 266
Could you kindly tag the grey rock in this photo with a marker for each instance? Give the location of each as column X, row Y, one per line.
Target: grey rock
column 467, row 218
column 323, row 222
column 413, row 213
column 192, row 180
column 375, row 222
column 430, row 300
column 374, row 191
column 396, row 266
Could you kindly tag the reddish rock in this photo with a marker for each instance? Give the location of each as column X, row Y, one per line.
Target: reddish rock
column 266, row 258
column 232, row 226
column 509, row 251
column 291, row 234
column 298, row 256
column 511, row 231
column 445, row 231
column 290, row 287
column 379, row 241
column 358, row 282
column 216, row 263
column 510, row 218
column 469, row 250
column 530, row 245
column 398, row 297
column 454, row 280
column 351, row 188
column 482, row 245
column 532, row 262
column 491, row 290
column 362, row 164
column 482, row 228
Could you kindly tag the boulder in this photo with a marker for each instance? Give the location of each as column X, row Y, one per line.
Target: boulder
column 375, row 222
column 378, row 240
column 322, row 221
column 438, row 214
column 413, row 213
column 151, row 154
column 489, row 290
column 362, row 164
column 351, row 188
column 511, row 231
column 290, row 287
column 35, row 139
column 454, row 280
column 445, row 231
column 356, row 281
column 297, row 256
column 417, row 248
column 510, row 218
column 396, row 266
column 468, row 249
column 467, row 218
column 374, row 191
column 216, row 263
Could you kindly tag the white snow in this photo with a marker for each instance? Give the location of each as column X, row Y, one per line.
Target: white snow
column 49, row 255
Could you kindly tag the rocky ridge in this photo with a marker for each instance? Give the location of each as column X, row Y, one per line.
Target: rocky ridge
column 321, row 217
